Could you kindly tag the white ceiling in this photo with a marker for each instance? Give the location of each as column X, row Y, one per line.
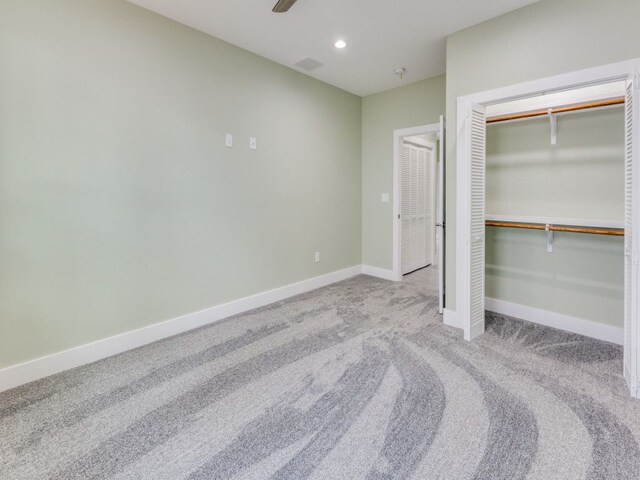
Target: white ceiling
column 381, row 35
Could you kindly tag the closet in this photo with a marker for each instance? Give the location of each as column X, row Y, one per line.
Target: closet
column 554, row 211
column 548, row 207
column 418, row 205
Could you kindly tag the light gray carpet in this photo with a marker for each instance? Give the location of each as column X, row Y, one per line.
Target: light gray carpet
column 358, row 380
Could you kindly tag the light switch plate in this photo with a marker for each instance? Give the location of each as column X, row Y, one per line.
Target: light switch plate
column 229, row 140
column 253, row 143
column 385, row 198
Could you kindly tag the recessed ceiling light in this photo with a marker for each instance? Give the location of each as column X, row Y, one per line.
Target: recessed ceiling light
column 340, row 44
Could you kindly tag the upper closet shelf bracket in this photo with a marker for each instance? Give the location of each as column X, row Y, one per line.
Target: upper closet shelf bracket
column 554, row 126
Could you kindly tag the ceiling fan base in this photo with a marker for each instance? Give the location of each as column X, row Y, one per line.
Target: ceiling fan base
column 283, row 6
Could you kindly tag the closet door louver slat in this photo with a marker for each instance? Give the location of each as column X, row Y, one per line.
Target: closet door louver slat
column 477, row 221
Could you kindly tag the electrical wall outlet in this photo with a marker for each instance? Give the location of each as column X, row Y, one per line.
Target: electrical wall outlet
column 384, row 198
column 317, row 257
column 253, row 143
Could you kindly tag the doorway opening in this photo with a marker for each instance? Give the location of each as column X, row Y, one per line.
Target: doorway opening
column 418, row 196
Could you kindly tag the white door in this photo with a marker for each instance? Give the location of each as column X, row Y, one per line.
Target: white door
column 430, row 206
column 631, row 224
column 476, row 135
column 440, row 239
column 417, row 209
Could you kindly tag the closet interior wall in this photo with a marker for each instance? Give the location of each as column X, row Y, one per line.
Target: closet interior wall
column 581, row 177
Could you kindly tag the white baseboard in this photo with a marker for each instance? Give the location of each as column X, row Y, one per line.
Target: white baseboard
column 632, row 383
column 16, row 375
column 581, row 326
column 378, row 272
column 450, row 318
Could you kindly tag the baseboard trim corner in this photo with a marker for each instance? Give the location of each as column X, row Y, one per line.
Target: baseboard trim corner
column 378, row 272
column 23, row 373
column 450, row 318
column 588, row 328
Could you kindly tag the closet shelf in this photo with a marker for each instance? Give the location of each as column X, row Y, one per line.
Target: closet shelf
column 549, row 225
column 556, row 111
column 557, row 228
column 565, row 221
column 557, row 224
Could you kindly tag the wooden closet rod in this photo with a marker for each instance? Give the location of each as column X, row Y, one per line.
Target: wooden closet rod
column 556, row 228
column 572, row 108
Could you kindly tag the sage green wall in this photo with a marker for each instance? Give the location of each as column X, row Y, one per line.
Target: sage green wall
column 544, row 39
column 582, row 176
column 419, row 103
column 120, row 206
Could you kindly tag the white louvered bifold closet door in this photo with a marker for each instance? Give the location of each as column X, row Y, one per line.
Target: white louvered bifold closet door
column 406, row 208
column 414, row 207
column 630, row 231
column 477, row 144
column 429, row 205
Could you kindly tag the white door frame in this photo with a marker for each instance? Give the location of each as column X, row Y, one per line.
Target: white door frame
column 398, row 135
column 582, row 78
column 441, row 215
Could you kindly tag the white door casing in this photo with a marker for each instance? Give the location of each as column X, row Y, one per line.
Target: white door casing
column 441, row 228
column 398, row 136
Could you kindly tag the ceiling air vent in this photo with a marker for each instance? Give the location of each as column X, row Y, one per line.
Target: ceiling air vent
column 308, row 64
